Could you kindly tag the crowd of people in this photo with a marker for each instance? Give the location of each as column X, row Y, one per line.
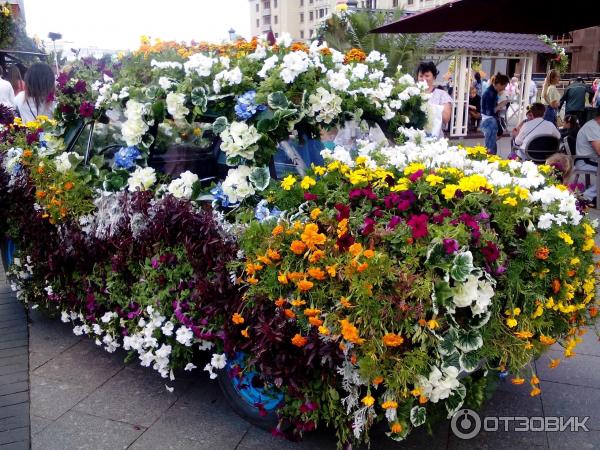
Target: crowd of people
column 572, row 135
column 31, row 95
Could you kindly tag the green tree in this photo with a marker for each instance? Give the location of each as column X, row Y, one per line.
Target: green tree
column 348, row 30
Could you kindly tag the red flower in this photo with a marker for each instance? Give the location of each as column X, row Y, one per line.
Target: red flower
column 490, row 252
column 418, row 224
column 86, row 109
column 310, row 197
column 343, row 212
column 368, row 226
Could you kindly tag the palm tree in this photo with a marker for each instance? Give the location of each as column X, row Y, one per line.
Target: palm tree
column 352, row 30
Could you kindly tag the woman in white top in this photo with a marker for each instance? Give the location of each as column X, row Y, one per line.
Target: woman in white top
column 551, row 96
column 428, row 72
column 38, row 97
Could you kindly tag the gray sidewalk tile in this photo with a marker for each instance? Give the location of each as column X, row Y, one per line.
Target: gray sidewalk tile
column 76, row 430
column 257, row 439
column 38, row 424
column 568, row 400
column 16, row 435
column 201, row 415
column 581, row 370
column 84, row 364
column 568, row 440
column 135, row 395
column 51, row 398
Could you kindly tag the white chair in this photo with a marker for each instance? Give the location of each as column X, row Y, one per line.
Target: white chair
column 587, row 173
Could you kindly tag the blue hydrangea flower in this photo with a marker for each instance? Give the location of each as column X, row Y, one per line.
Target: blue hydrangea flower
column 125, row 157
column 262, row 212
column 246, row 106
column 219, row 196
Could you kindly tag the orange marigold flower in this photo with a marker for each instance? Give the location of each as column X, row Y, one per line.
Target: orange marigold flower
column 396, row 428
column 305, row 285
column 362, row 267
column 571, row 273
column 433, row 324
column 535, row 391
column 311, row 236
column 378, row 380
column 311, row 312
column 298, row 302
column 277, row 230
column 296, row 276
column 556, row 286
column 323, row 330
column 523, row 334
column 422, row 322
column 326, row 51
column 237, row 319
column 68, row 186
column 299, row 47
column 245, row 333
column 316, row 256
column 593, row 311
column 298, row 247
column 331, row 270
column 282, row 278
column 368, row 400
column 369, row 253
column 554, row 363
column 280, row 302
column 27, row 153
column 40, row 194
column 316, row 273
column 355, row 249
column 410, row 241
column 392, row 340
column 389, row 404
column 289, row 313
column 354, row 55
column 342, row 227
column 350, row 332
column 265, row 260
column 315, row 321
column 542, row 253
column 40, row 169
column 251, row 269
column 535, row 380
column 315, row 213
column 517, row 380
column 423, row 399
column 251, row 280
column 345, row 302
column 273, row 255
column 299, row 341
column 546, row 340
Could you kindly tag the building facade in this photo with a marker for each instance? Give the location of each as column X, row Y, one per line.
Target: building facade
column 301, row 18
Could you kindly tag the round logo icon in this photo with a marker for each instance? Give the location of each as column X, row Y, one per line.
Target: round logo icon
column 466, row 424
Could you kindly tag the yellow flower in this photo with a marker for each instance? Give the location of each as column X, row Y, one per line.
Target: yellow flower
column 511, row 322
column 245, row 332
column 449, row 191
column 413, row 168
column 288, row 182
column 368, row 400
column 538, row 312
column 546, row 340
column 521, row 192
column 433, row 324
column 434, row 180
column 323, row 330
column 315, row 213
column 565, row 237
column 319, row 170
column 575, row 261
column 510, row 201
column 504, row 191
column 523, row 334
column 307, row 182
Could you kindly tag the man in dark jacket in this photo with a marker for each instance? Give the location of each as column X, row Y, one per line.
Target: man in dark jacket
column 574, row 99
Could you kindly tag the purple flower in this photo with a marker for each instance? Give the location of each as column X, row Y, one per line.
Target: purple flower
column 80, row 87
column 394, row 221
column 450, row 246
column 490, row 252
column 415, row 176
column 62, row 79
column 154, row 263
column 310, row 197
column 418, row 225
column 368, row 226
column 86, row 109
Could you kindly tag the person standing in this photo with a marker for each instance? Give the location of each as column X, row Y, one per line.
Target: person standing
column 478, row 84
column 574, row 99
column 588, row 147
column 489, row 109
column 7, row 94
column 474, row 107
column 38, row 97
column 428, row 72
column 551, row 96
column 14, row 76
